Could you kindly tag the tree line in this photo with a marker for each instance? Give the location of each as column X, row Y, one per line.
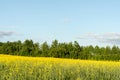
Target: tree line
column 60, row 50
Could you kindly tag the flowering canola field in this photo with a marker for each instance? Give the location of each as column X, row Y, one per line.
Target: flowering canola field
column 42, row 68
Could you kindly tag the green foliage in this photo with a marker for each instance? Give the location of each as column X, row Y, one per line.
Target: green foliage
column 60, row 50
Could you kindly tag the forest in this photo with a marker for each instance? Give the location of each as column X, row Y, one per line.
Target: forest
column 72, row 50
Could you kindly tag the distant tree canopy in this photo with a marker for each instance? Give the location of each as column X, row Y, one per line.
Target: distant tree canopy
column 60, row 50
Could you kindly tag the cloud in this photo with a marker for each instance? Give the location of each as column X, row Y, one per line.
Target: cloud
column 66, row 20
column 87, row 35
column 113, row 38
column 4, row 34
column 113, row 41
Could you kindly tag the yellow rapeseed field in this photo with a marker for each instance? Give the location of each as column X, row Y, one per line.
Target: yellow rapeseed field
column 42, row 68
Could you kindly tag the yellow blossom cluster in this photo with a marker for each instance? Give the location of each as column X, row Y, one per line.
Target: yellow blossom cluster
column 43, row 68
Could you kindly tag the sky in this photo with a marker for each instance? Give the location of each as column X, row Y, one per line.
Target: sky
column 90, row 22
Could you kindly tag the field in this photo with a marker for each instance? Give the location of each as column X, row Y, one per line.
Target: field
column 31, row 68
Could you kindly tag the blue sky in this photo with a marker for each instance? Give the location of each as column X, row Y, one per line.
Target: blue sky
column 90, row 22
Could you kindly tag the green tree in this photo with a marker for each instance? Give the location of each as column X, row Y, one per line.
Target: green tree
column 45, row 49
column 27, row 48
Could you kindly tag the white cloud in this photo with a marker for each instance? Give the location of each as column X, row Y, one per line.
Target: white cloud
column 66, row 20
column 113, row 38
column 3, row 33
